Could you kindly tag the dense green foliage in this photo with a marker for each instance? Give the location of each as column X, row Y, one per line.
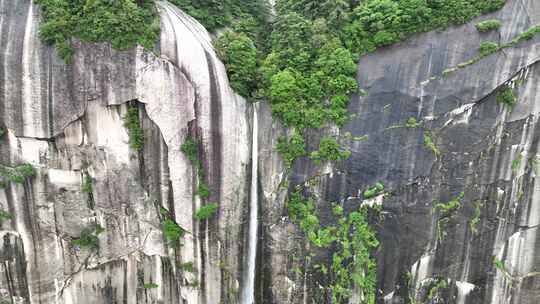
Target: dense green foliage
column 329, row 150
column 373, row 191
column 123, row 23
column 352, row 240
column 292, row 148
column 15, row 175
column 89, row 238
column 488, row 25
column 487, row 48
column 215, row 14
column 206, row 211
column 239, row 54
column 412, row 123
column 172, row 231
column 507, row 97
column 133, row 125
column 2, row 132
column 190, row 148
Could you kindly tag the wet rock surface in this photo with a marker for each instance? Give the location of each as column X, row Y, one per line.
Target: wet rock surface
column 68, row 122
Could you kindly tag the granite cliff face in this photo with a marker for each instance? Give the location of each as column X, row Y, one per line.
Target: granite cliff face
column 67, row 121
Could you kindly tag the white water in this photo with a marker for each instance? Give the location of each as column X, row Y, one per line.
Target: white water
column 248, row 294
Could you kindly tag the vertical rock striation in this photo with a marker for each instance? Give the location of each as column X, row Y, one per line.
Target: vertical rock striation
column 67, row 121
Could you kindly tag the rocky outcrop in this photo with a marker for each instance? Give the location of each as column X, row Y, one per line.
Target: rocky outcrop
column 489, row 253
column 67, row 121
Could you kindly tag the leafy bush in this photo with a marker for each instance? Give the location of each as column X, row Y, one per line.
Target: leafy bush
column 132, row 124
column 2, row 132
column 488, row 25
column 123, row 23
column 89, row 238
column 291, row 149
column 507, row 97
column 330, row 150
column 190, row 148
column 219, row 14
column 412, row 123
column 16, row 175
column 203, row 191
column 239, row 54
column 373, row 191
column 487, row 48
column 206, row 211
column 352, row 240
column 172, row 231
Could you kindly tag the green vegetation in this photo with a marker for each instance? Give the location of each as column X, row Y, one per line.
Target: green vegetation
column 190, row 148
column 150, row 285
column 89, row 238
column 122, row 23
column 476, row 217
column 239, row 54
column 352, row 240
column 434, row 289
column 527, row 35
column 430, row 144
column 329, row 150
column 373, row 191
column 4, row 216
column 203, row 191
column 446, row 213
column 87, row 184
column 132, row 124
column 292, row 148
column 2, row 132
column 487, row 48
column 488, row 25
column 500, row 266
column 172, row 231
column 206, row 211
column 240, row 14
column 16, row 175
column 516, row 162
column 412, row 123
column 188, row 267
column 507, row 97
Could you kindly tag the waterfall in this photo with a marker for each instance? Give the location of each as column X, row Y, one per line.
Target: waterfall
column 248, row 295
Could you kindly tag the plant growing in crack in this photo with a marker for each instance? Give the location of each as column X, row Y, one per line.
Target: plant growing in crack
column 430, row 144
column 516, row 162
column 16, row 175
column 4, row 216
column 446, row 212
column 476, row 217
column 89, row 238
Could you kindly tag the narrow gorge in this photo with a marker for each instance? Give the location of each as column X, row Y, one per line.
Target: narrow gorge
column 392, row 158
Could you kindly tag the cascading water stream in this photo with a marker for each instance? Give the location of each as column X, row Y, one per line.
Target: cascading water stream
column 248, row 294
